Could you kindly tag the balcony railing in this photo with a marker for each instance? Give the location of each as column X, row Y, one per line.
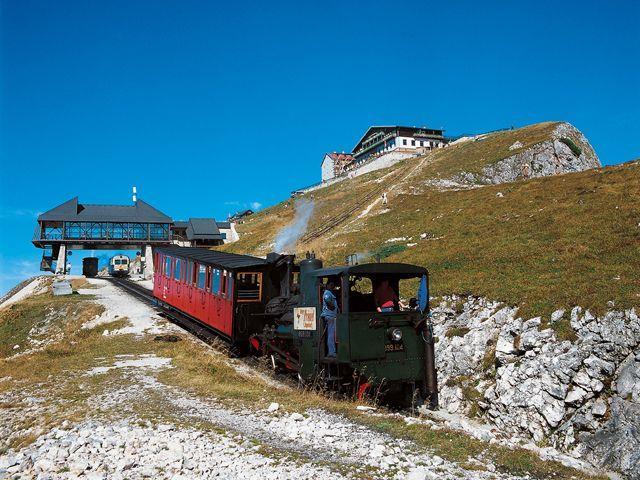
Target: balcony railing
column 103, row 231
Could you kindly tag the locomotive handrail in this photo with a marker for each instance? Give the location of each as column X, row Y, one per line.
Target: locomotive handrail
column 377, row 322
column 380, row 319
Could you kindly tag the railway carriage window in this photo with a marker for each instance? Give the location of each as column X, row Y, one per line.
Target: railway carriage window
column 202, row 273
column 208, row 280
column 215, row 281
column 189, row 274
column 223, row 284
column 176, row 270
column 193, row 273
column 167, row 266
column 249, row 287
column 230, row 285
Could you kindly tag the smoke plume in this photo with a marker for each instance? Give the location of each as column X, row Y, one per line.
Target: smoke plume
column 288, row 236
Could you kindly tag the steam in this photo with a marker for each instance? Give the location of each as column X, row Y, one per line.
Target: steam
column 288, row 236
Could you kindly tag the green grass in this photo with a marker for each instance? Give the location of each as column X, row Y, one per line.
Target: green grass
column 546, row 243
column 564, row 330
column 17, row 320
column 388, row 250
column 473, row 156
column 456, row 332
column 577, row 151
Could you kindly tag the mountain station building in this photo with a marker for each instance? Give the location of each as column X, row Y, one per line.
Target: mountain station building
column 392, row 142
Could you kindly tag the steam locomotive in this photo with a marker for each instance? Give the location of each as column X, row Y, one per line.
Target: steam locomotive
column 272, row 307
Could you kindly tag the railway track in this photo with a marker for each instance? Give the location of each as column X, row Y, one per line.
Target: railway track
column 336, row 220
column 203, row 333
column 261, row 366
column 183, row 321
column 389, row 185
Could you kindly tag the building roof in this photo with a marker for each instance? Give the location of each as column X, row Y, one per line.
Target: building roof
column 242, row 213
column 180, row 224
column 72, row 211
column 228, row 261
column 203, row 229
column 389, row 128
column 336, row 156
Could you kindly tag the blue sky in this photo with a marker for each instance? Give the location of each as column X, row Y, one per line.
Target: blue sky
column 208, row 107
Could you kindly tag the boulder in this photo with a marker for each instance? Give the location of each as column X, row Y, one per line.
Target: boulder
column 617, row 444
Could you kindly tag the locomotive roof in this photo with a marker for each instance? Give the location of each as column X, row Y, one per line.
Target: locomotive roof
column 229, row 261
column 398, row 269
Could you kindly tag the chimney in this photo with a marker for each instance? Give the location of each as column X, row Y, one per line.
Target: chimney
column 135, row 197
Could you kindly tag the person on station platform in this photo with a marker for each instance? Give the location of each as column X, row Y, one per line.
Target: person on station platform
column 385, row 297
column 329, row 315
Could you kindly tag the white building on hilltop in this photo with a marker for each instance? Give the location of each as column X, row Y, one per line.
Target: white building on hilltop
column 334, row 164
column 383, row 139
column 385, row 143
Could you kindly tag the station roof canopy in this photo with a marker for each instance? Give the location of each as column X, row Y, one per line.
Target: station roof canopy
column 203, row 229
column 73, row 211
column 229, row 261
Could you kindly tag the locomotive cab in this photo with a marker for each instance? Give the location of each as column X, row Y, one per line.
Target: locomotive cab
column 384, row 348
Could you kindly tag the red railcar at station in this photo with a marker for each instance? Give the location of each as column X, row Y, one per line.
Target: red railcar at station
column 224, row 291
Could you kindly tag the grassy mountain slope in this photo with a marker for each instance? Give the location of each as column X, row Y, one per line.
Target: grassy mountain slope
column 541, row 244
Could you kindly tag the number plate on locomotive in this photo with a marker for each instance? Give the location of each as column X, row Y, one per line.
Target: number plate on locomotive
column 394, row 347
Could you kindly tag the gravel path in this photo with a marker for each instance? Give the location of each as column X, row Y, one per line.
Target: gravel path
column 142, row 428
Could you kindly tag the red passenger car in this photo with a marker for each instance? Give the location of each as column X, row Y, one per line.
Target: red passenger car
column 224, row 291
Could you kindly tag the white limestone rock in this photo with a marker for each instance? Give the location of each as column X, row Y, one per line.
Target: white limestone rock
column 550, row 157
column 599, row 408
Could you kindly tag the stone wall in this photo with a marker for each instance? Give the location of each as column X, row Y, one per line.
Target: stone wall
column 571, row 381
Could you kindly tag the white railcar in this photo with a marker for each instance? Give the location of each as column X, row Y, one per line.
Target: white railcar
column 119, row 266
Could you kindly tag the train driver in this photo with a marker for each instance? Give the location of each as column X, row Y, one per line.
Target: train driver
column 329, row 315
column 385, row 297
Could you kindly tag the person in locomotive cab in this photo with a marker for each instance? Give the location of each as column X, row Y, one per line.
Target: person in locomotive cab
column 329, row 315
column 385, row 297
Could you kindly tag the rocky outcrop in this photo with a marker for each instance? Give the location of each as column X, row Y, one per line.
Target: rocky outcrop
column 567, row 150
column 571, row 381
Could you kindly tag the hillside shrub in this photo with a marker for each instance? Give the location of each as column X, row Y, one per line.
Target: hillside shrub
column 456, row 332
column 388, row 250
column 577, row 151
